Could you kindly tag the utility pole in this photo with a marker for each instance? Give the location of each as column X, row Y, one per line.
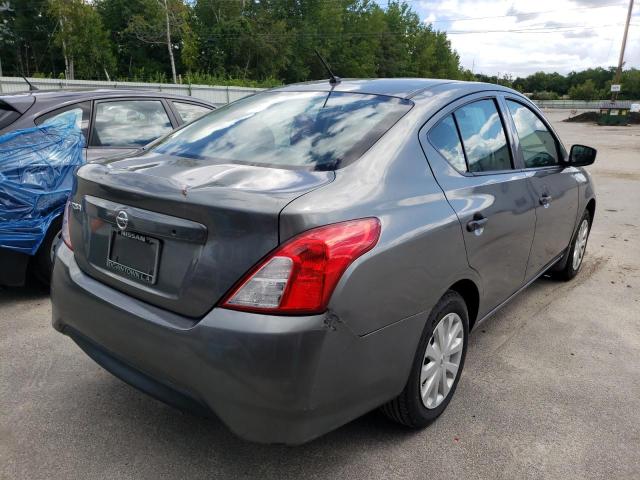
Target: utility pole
column 616, row 81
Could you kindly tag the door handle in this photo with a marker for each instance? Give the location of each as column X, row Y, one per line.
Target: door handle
column 545, row 200
column 477, row 224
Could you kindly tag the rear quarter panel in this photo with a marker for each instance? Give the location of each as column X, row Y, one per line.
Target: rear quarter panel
column 420, row 252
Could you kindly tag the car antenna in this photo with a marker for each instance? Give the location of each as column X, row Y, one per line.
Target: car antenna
column 32, row 87
column 333, row 80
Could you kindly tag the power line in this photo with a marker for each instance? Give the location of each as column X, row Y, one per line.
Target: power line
column 529, row 29
column 532, row 30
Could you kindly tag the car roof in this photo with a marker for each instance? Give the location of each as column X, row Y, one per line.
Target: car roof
column 43, row 97
column 393, row 87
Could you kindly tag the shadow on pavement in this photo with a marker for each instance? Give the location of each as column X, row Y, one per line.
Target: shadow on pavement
column 133, row 429
column 33, row 290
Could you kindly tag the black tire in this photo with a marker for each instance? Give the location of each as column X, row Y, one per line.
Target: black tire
column 42, row 261
column 565, row 270
column 408, row 408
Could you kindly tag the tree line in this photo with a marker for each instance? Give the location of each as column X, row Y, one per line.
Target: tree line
column 249, row 42
column 264, row 42
column 589, row 84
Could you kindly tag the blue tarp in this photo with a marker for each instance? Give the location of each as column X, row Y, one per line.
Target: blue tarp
column 36, row 176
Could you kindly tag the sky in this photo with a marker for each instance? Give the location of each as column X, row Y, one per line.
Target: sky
column 520, row 37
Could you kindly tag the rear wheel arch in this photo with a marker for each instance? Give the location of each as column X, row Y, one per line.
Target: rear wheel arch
column 469, row 292
column 409, row 408
column 591, row 208
column 42, row 260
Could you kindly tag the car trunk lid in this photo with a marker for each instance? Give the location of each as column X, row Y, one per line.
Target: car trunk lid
column 176, row 232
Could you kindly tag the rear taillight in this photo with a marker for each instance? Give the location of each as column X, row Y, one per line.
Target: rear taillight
column 300, row 275
column 66, row 234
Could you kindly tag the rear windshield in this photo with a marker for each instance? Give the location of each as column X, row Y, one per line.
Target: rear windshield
column 315, row 130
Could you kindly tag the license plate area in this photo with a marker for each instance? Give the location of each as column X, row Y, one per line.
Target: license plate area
column 134, row 256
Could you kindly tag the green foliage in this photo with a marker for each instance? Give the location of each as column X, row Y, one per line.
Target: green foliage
column 599, row 76
column 544, row 95
column 543, row 82
column 82, row 37
column 163, row 22
column 145, row 75
column 132, row 59
column 260, row 43
column 200, row 78
column 248, row 42
column 630, row 83
column 585, row 91
column 25, row 39
column 506, row 80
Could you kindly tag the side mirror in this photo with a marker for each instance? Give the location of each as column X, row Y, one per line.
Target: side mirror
column 581, row 155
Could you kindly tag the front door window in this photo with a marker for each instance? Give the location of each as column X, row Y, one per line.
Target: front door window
column 536, row 142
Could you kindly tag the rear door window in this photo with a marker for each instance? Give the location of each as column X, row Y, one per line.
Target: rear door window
column 129, row 123
column 538, row 145
column 82, row 112
column 444, row 137
column 190, row 111
column 483, row 138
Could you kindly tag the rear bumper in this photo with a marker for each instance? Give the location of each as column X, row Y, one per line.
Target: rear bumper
column 269, row 379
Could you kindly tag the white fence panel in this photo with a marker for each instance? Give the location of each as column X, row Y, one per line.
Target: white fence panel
column 576, row 104
column 218, row 95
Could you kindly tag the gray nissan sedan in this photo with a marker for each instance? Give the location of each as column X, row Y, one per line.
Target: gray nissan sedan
column 307, row 254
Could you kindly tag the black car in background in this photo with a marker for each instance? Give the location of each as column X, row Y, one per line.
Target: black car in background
column 113, row 121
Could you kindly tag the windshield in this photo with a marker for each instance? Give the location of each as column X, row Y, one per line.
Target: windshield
column 316, row 130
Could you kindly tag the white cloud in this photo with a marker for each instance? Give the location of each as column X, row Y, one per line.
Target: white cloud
column 520, row 37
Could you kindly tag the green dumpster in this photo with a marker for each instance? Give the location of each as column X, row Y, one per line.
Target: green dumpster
column 614, row 113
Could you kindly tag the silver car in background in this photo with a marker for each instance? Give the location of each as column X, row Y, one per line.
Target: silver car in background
column 113, row 121
column 310, row 253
